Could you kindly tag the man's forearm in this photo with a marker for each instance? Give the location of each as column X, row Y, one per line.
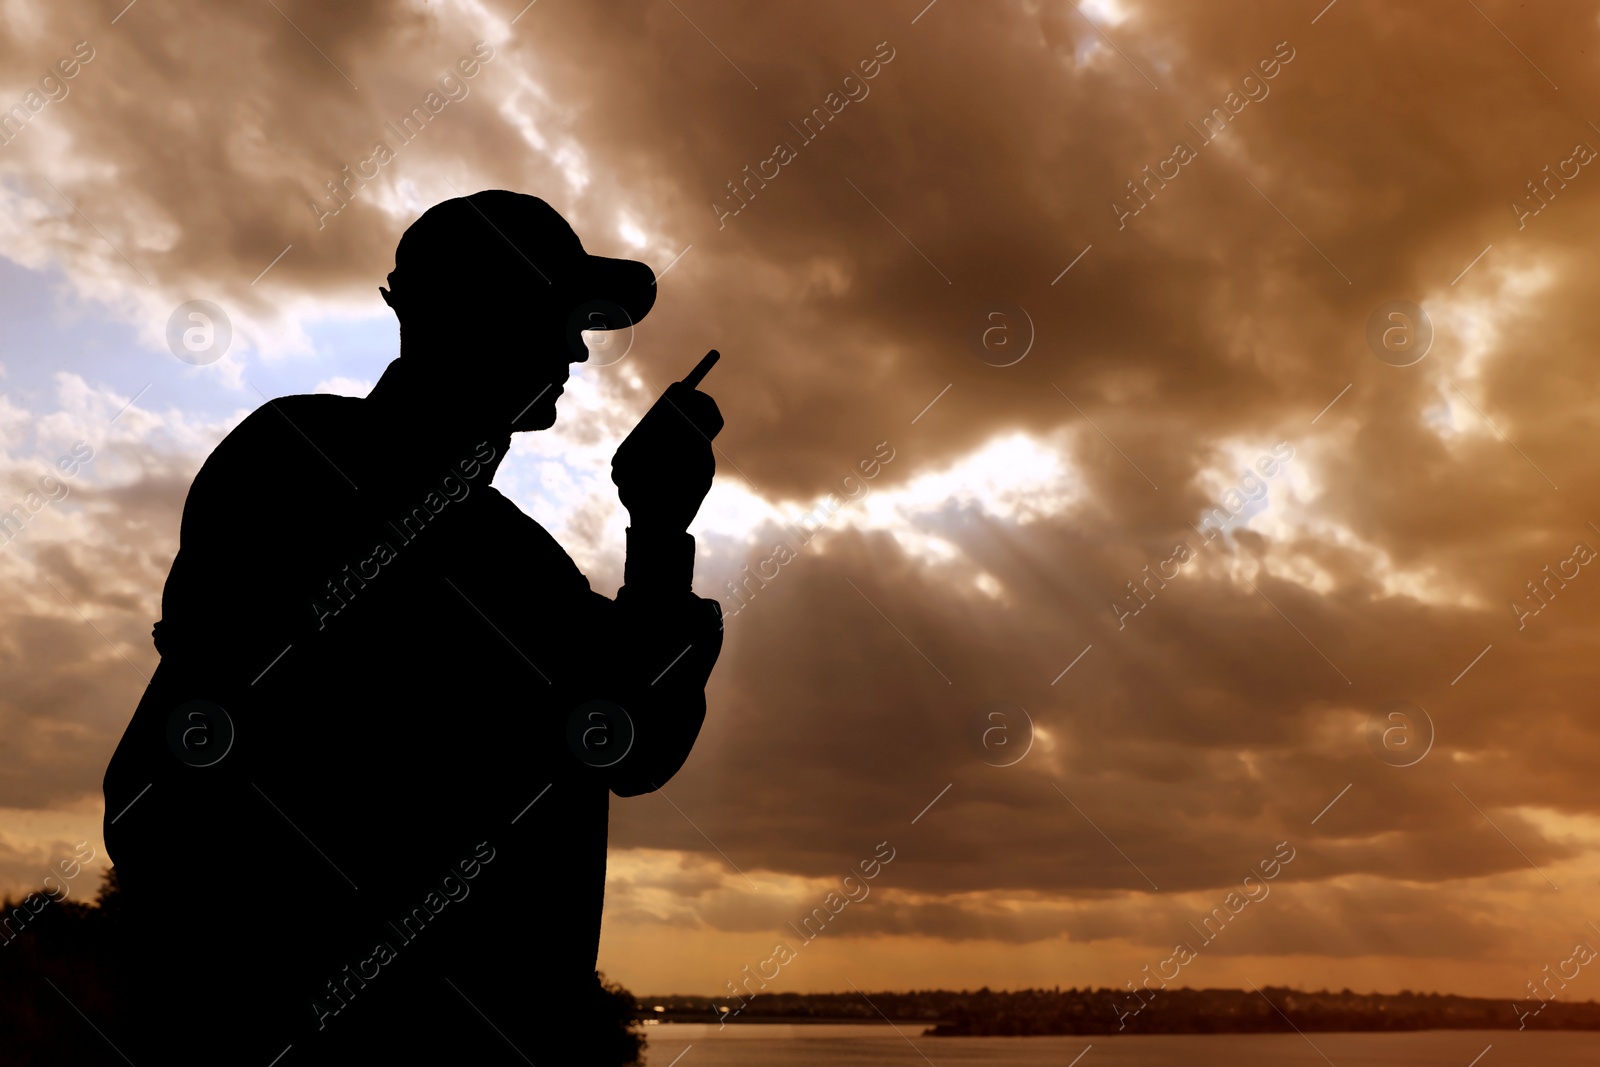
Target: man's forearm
column 673, row 638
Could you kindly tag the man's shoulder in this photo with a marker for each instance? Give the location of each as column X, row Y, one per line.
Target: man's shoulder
column 289, row 430
column 299, row 415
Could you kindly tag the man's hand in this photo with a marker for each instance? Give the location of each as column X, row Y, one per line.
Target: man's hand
column 663, row 468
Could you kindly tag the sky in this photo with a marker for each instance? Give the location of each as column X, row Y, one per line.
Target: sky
column 1220, row 370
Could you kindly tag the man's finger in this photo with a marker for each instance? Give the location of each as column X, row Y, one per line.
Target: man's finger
column 701, row 412
column 706, row 415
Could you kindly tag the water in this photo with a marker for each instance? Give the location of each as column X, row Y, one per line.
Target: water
column 881, row 1046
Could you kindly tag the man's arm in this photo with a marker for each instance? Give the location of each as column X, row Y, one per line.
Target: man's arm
column 663, row 471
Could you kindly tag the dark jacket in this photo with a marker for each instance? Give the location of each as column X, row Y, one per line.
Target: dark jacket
column 414, row 794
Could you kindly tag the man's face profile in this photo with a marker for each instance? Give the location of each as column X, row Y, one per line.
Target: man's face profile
column 496, row 341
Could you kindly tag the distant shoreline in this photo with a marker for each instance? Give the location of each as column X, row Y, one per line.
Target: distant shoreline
column 1057, row 1012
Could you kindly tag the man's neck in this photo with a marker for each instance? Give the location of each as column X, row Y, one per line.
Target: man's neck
column 432, row 427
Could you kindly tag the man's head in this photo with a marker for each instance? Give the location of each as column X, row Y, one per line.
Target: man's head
column 493, row 291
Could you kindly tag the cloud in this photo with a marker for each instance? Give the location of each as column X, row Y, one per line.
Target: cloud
column 848, row 297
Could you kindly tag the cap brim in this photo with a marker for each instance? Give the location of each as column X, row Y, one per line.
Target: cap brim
column 627, row 283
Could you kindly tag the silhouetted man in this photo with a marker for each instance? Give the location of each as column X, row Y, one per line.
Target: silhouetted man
column 361, row 809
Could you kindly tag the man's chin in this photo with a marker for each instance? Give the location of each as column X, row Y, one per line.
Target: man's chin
column 540, row 416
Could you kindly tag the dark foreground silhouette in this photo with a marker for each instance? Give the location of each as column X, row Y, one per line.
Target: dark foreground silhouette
column 57, row 959
column 360, row 814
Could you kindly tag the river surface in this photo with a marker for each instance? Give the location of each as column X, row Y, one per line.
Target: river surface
column 757, row 1045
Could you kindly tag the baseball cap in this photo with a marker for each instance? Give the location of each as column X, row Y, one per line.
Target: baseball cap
column 497, row 231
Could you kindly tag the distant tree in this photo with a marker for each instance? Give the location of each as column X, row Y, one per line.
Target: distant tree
column 109, row 895
column 617, row 1018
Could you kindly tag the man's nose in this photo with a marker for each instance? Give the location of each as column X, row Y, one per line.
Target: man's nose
column 574, row 347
